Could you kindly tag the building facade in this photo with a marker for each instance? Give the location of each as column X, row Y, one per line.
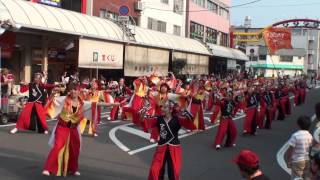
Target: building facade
column 81, row 6
column 306, row 39
column 109, row 9
column 283, row 62
column 309, row 40
column 166, row 16
column 208, row 21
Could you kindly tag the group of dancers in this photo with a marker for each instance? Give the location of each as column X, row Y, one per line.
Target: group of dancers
column 158, row 105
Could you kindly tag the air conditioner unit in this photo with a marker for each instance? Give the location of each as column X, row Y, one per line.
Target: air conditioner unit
column 138, row 6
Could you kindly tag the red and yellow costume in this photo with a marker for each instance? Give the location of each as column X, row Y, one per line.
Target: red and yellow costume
column 65, row 142
column 196, row 107
column 137, row 101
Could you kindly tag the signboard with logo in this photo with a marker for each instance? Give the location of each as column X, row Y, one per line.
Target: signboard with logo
column 55, row 3
column 99, row 54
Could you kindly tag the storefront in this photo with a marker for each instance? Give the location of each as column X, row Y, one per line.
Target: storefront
column 140, row 61
column 58, row 40
column 194, row 63
column 98, row 56
column 226, row 59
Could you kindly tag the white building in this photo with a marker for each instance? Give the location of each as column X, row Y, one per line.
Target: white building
column 308, row 39
column 285, row 61
column 167, row 16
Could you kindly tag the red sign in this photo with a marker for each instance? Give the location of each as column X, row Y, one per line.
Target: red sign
column 7, row 42
column 277, row 38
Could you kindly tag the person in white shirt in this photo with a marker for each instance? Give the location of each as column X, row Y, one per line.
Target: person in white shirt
column 297, row 155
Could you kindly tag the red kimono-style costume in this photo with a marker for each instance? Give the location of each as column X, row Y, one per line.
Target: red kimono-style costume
column 252, row 115
column 122, row 95
column 65, row 140
column 94, row 97
column 196, row 109
column 33, row 116
column 216, row 107
column 302, row 91
column 267, row 110
column 168, row 150
column 227, row 125
column 136, row 103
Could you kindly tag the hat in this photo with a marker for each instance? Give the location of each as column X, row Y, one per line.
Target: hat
column 247, row 158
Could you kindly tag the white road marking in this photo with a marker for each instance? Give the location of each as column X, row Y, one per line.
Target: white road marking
column 13, row 124
column 180, row 137
column 182, row 131
column 137, row 132
column 112, row 135
column 282, row 151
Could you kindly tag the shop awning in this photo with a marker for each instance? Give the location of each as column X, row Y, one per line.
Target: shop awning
column 226, row 52
column 42, row 17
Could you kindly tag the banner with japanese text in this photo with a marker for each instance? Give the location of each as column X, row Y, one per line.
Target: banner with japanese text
column 277, row 38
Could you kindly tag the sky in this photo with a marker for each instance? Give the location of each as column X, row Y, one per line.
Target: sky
column 266, row 12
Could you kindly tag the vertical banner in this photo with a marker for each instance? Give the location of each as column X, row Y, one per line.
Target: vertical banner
column 277, row 38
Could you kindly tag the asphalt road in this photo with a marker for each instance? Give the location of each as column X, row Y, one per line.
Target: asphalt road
column 22, row 155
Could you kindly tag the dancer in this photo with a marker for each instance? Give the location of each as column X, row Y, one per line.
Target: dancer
column 33, row 115
column 65, row 140
column 227, row 125
column 168, row 150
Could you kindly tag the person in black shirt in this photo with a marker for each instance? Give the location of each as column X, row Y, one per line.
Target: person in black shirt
column 168, row 150
column 33, row 115
column 248, row 164
column 252, row 114
column 227, row 125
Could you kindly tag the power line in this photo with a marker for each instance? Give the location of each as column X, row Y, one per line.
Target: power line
column 235, row 6
column 283, row 5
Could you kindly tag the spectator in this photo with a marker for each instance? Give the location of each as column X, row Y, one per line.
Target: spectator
column 248, row 164
column 316, row 134
column 7, row 80
column 315, row 167
column 297, row 155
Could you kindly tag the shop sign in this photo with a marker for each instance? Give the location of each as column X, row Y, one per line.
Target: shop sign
column 99, row 54
column 55, row 3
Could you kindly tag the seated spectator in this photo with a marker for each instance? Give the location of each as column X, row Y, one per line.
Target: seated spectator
column 297, row 155
column 248, row 163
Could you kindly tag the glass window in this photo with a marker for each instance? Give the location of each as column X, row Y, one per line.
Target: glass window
column 212, row 6
column 286, row 58
column 162, row 26
column 178, row 6
column 199, row 2
column 113, row 15
column 165, row 1
column 176, row 30
column 224, row 12
column 211, row 35
column 152, row 24
column 103, row 13
column 262, row 57
column 224, row 39
column 196, row 31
